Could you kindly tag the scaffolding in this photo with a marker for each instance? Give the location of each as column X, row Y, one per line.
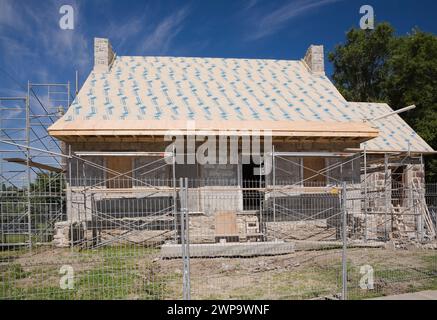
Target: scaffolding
column 390, row 191
column 126, row 232
column 31, row 168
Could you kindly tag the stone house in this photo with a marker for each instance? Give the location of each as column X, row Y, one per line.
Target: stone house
column 131, row 110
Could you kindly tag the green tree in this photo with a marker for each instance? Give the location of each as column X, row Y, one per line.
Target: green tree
column 360, row 65
column 412, row 79
column 378, row 66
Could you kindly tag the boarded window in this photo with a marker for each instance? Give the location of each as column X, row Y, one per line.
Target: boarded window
column 85, row 173
column 313, row 165
column 151, row 168
column 188, row 171
column 288, row 170
column 119, row 165
column 219, row 174
column 226, row 224
column 343, row 169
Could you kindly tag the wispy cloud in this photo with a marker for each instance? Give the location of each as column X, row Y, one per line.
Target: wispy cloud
column 148, row 34
column 267, row 24
column 8, row 17
column 30, row 36
column 33, row 46
column 250, row 4
column 165, row 31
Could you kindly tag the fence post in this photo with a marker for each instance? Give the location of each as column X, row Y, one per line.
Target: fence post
column 185, row 241
column 344, row 238
column 365, row 194
column 70, row 198
column 274, row 183
column 386, row 194
column 422, row 197
column 175, row 197
column 28, row 170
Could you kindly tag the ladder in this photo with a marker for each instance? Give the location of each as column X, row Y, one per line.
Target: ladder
column 420, row 202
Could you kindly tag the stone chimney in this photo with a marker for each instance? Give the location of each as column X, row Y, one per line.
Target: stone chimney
column 103, row 55
column 314, row 59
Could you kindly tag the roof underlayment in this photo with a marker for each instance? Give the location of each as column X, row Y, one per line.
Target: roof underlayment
column 394, row 133
column 150, row 95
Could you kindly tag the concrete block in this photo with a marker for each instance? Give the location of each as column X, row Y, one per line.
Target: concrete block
column 229, row 249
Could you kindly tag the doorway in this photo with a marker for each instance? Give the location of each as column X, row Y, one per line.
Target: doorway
column 119, row 165
column 311, row 167
column 397, row 186
column 251, row 181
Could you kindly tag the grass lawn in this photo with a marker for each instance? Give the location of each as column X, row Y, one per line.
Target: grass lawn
column 133, row 272
column 106, row 273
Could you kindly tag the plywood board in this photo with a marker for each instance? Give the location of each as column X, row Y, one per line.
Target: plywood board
column 311, row 166
column 226, row 224
column 120, row 165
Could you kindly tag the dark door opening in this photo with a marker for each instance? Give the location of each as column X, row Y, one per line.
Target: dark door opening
column 397, row 186
column 311, row 167
column 251, row 181
column 118, row 166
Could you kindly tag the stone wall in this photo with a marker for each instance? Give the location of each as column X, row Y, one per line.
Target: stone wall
column 314, row 58
column 414, row 177
column 204, row 200
column 394, row 212
column 103, row 55
column 317, row 230
column 202, row 227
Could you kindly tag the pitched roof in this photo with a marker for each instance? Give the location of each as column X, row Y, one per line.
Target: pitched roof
column 153, row 94
column 394, row 133
column 166, row 88
column 162, row 90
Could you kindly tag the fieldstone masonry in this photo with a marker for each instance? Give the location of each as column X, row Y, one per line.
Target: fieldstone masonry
column 202, row 227
column 402, row 220
column 314, row 59
column 103, row 55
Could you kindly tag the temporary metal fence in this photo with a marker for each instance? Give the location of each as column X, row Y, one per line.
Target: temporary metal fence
column 97, row 233
column 202, row 240
column 348, row 226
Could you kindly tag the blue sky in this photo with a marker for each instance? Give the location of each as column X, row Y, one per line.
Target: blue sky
column 33, row 47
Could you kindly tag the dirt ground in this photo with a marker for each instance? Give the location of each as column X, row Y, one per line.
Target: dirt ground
column 140, row 273
column 307, row 274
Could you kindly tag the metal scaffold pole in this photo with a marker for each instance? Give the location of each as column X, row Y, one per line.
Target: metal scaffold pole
column 421, row 197
column 70, row 199
column 386, row 195
column 175, row 197
column 274, row 183
column 365, row 194
column 344, row 236
column 29, row 209
column 185, row 239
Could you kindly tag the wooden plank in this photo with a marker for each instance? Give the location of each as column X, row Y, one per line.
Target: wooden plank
column 311, row 166
column 277, row 128
column 35, row 164
column 121, row 165
column 226, row 223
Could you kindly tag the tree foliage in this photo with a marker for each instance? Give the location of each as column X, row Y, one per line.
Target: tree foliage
column 360, row 65
column 379, row 66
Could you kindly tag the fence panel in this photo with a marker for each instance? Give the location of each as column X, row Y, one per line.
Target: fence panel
column 93, row 240
column 258, row 242
column 90, row 239
column 396, row 253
